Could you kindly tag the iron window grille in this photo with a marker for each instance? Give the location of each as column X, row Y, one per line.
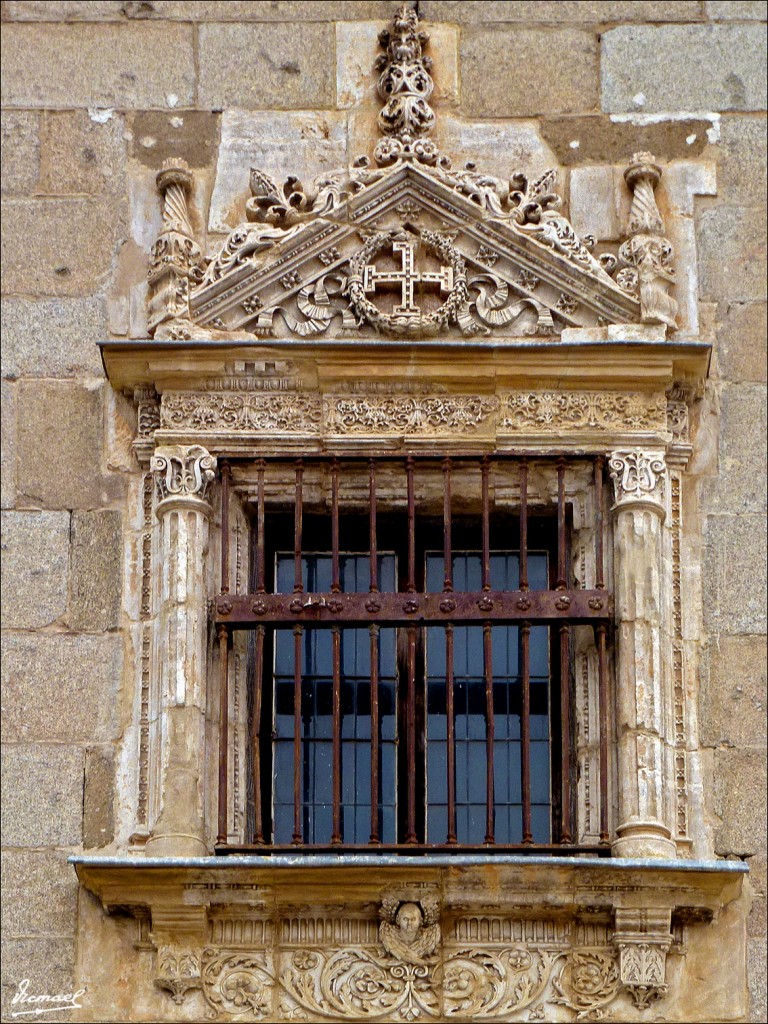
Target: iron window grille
column 410, row 682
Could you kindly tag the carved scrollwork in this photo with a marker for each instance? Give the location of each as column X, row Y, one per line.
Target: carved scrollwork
column 246, row 413
column 405, row 414
column 604, row 410
column 637, row 475
column 586, row 983
column 238, row 983
column 183, row 471
column 491, row 984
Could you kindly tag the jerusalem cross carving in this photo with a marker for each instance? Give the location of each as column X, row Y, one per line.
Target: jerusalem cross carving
column 407, row 277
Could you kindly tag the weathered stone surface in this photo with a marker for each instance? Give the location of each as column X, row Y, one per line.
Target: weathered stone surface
column 741, row 172
column 96, row 571
column 740, row 801
column 190, row 135
column 128, row 65
column 734, row 574
column 281, row 144
column 595, row 138
column 20, row 151
column 279, row 66
column 558, row 11
column 734, row 699
column 80, row 154
column 38, row 670
column 52, row 337
column 757, row 972
column 758, row 884
column 193, row 10
column 664, row 66
column 61, row 469
column 740, row 485
column 47, row 963
column 742, row 348
column 99, row 798
column 41, row 893
column 592, row 205
column 7, row 444
column 357, row 47
column 561, row 72
column 35, row 568
column 732, row 253
column 58, row 246
column 735, row 10
column 42, row 794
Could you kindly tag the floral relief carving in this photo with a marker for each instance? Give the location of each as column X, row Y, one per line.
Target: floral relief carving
column 241, row 412
column 238, row 982
column 398, row 414
column 587, row 982
column 178, row 972
column 605, row 410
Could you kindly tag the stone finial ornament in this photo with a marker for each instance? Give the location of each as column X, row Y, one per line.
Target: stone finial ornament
column 647, row 255
column 176, row 260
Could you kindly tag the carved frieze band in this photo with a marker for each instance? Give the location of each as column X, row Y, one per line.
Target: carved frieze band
column 482, row 968
column 399, row 412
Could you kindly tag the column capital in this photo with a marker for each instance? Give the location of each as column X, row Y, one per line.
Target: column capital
column 182, row 472
column 638, row 479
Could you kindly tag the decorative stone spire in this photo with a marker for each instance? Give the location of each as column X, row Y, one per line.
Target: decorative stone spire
column 405, row 85
column 647, row 254
column 176, row 258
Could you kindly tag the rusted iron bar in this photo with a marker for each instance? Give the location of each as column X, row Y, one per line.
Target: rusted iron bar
column 223, row 635
column 565, row 730
column 390, row 608
column 456, row 852
column 599, row 556
column 335, row 580
column 298, row 584
column 225, row 481
column 450, row 735
column 562, row 583
column 336, row 837
column 375, row 838
column 260, row 530
column 297, row 837
column 374, row 569
column 447, row 523
column 602, row 700
column 486, row 568
column 258, row 825
column 525, row 732
column 410, row 728
column 489, row 734
column 523, row 525
column 411, row 586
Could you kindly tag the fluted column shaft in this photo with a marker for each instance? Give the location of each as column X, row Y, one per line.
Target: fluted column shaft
column 183, row 475
column 641, row 674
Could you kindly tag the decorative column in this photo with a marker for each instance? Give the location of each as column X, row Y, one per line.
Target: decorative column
column 176, row 258
column 639, row 480
column 647, row 254
column 183, row 475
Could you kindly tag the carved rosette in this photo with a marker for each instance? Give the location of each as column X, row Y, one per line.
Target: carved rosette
column 183, row 472
column 647, row 255
column 638, row 478
column 176, row 260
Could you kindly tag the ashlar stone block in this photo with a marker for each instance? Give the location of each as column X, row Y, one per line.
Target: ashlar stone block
column 741, row 172
column 732, row 253
column 740, row 485
column 734, row 576
column 596, row 139
column 279, row 66
column 59, row 246
column 734, row 697
column 81, row 153
column 52, row 337
column 740, row 801
column 561, row 72
column 735, row 10
column 99, row 798
column 684, row 67
column 47, row 963
column 189, row 135
column 41, row 893
column 20, row 151
column 742, row 341
column 128, row 65
column 60, row 687
column 7, row 444
column 35, row 568
column 559, row 11
column 60, row 468
column 54, row 774
column 95, row 584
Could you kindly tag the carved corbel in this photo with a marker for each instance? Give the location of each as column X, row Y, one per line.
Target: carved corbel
column 176, row 260
column 647, row 255
column 178, row 972
column 148, row 420
column 643, row 938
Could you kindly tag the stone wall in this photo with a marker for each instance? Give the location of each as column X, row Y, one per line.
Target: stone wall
column 97, row 95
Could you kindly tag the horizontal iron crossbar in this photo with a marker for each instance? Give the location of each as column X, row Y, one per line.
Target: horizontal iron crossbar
column 245, row 611
column 565, row 850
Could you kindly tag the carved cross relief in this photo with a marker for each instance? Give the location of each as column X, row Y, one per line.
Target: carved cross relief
column 406, row 278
